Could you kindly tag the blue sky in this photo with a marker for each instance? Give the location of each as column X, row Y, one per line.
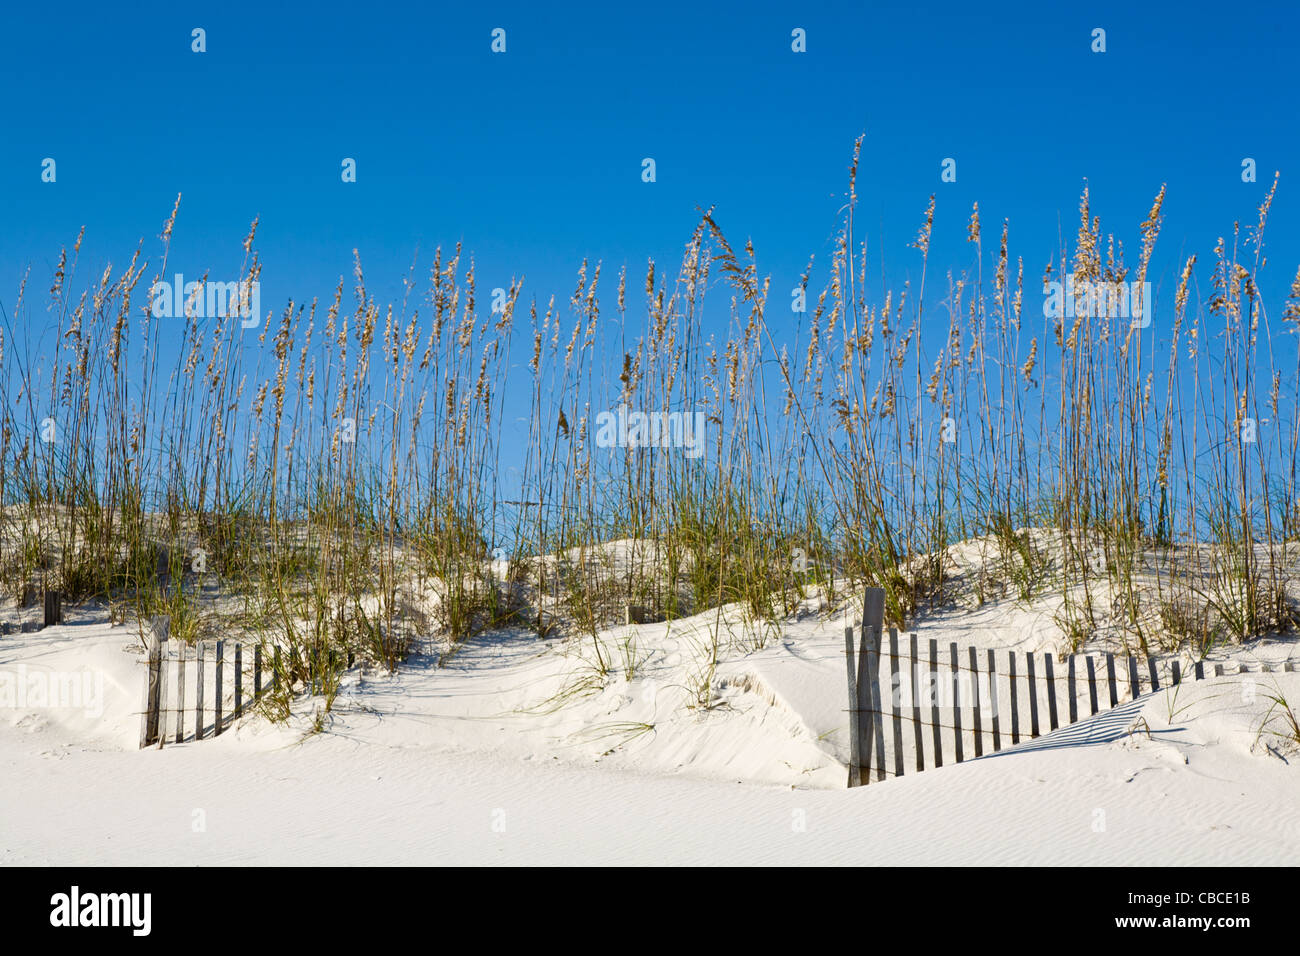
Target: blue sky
column 533, row 157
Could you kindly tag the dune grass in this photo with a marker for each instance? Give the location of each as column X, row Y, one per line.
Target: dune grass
column 333, row 479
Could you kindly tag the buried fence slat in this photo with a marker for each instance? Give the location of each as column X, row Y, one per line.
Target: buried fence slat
column 877, row 705
column 916, row 707
column 1015, row 709
column 896, row 701
column 1134, row 684
column 257, row 671
column 993, row 699
column 1070, row 689
column 1200, row 670
column 180, row 691
column 149, row 708
column 1110, row 678
column 1155, row 677
column 872, row 734
column 854, row 742
column 865, row 725
column 934, row 702
column 1051, row 689
column 239, row 680
column 275, row 670
column 53, row 608
column 220, row 662
column 198, row 691
column 1092, row 684
column 161, row 709
column 1033, row 696
column 956, row 703
column 1175, row 677
column 975, row 702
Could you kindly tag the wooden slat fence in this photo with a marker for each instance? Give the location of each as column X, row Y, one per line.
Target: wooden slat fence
column 215, row 674
column 955, row 705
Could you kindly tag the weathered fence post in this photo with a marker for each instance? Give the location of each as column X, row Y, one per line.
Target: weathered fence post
column 1033, row 695
column 182, row 654
column 53, row 608
column 257, row 671
column 1110, row 678
column 934, row 702
column 993, row 699
column 1051, row 689
column 896, row 703
column 865, row 724
column 855, row 742
column 149, row 708
column 1134, row 684
column 956, row 701
column 1015, row 704
column 875, row 643
column 873, row 622
column 161, row 628
column 239, row 680
column 975, row 702
column 1072, row 690
column 202, row 649
column 217, row 704
column 916, row 706
column 1092, row 684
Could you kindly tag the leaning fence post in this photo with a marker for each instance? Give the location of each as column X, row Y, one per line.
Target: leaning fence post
column 993, row 699
column 956, row 702
column 1015, row 705
column 1134, row 684
column 149, row 709
column 1092, row 684
column 865, row 727
column 855, row 742
column 873, row 622
column 896, row 701
column 934, row 701
column 1155, row 677
column 161, row 629
column 877, row 704
column 239, row 680
column 1110, row 678
column 202, row 649
column 1048, row 664
column 182, row 654
column 53, row 608
column 1033, row 696
column 217, row 704
column 1073, row 691
column 916, row 707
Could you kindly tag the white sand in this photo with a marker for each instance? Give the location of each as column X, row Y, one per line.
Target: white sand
column 475, row 762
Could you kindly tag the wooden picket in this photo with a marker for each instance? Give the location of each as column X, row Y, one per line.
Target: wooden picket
column 979, row 688
column 163, row 710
